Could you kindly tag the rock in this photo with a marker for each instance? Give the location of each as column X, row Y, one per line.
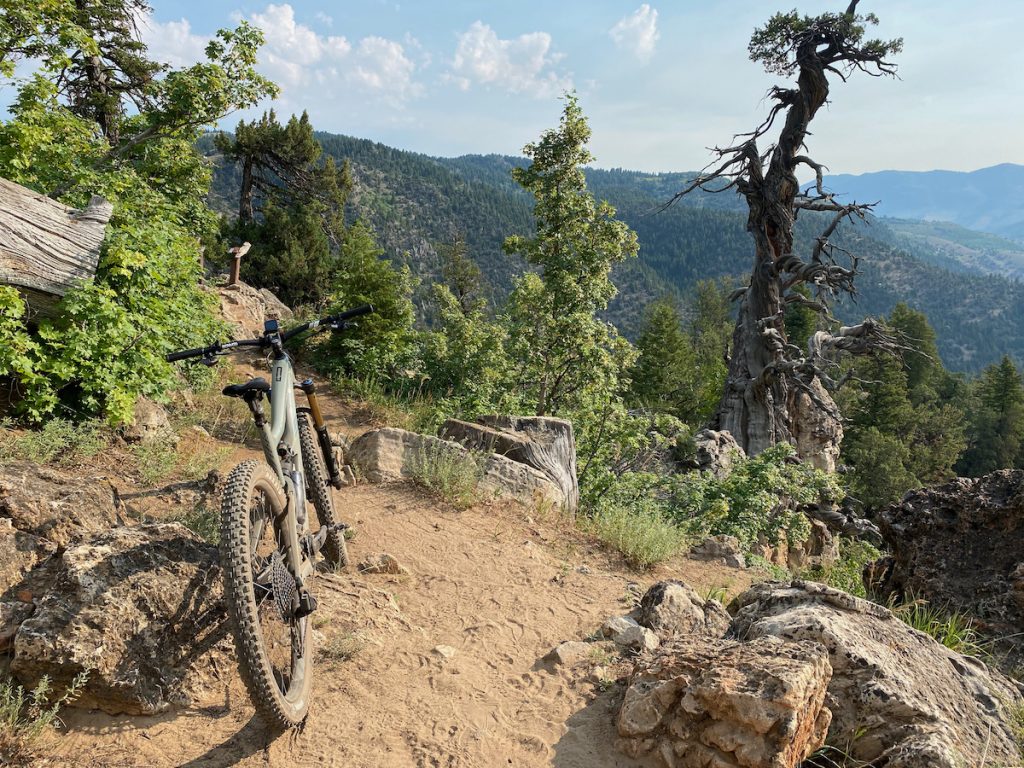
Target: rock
column 383, row 455
column 637, row 639
column 348, row 476
column 141, row 608
column 672, row 608
column 713, row 702
column 961, row 545
column 721, row 548
column 12, row 614
column 19, row 553
column 150, row 423
column 54, row 505
column 616, row 625
column 444, row 651
column 716, row 452
column 246, row 308
column 898, row 698
column 820, row 548
column 570, row 653
column 817, row 433
column 383, row 563
column 544, row 443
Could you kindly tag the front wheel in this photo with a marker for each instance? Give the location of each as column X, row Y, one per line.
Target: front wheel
column 275, row 651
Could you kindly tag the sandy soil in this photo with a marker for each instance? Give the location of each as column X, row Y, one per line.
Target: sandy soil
column 497, row 586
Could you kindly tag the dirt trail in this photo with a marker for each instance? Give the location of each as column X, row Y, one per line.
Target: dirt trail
column 492, row 583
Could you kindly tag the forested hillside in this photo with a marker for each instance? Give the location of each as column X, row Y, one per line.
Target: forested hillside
column 417, row 204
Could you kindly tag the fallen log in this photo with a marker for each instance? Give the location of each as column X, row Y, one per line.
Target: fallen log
column 46, row 248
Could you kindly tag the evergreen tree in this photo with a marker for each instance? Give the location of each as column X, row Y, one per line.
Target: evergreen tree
column 381, row 343
column 663, row 377
column 565, row 353
column 462, row 275
column 997, row 424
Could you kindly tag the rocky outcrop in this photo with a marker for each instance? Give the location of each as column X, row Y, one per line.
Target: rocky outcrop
column 716, row 452
column 140, row 608
column 898, row 698
column 961, row 545
column 544, row 443
column 672, row 608
column 820, row 548
column 817, row 432
column 55, row 506
column 705, row 702
column 245, row 308
column 722, row 549
column 388, row 454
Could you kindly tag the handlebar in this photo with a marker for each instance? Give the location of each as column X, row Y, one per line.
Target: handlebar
column 333, row 322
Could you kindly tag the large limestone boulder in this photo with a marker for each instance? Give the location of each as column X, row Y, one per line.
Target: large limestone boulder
column 961, row 545
column 705, row 702
column 672, row 608
column 54, row 505
column 898, row 698
column 544, row 443
column 389, row 454
column 141, row 609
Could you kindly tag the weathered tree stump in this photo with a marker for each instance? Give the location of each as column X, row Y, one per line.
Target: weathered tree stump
column 541, row 442
column 46, row 248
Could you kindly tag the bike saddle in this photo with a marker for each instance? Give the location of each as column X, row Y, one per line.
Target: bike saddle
column 260, row 385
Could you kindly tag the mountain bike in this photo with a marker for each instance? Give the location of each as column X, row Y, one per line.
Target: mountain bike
column 268, row 551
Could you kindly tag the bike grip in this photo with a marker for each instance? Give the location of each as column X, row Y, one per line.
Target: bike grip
column 357, row 312
column 185, row 353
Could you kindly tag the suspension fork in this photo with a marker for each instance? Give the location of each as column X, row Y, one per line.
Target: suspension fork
column 320, row 427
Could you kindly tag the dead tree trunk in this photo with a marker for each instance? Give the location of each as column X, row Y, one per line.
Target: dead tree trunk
column 770, row 381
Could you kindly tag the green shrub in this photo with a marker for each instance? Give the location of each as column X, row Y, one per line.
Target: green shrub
column 26, row 716
column 637, row 528
column 845, row 573
column 759, row 499
column 203, row 521
column 58, row 440
column 450, row 473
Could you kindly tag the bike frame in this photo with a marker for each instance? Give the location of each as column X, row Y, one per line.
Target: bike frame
column 280, row 440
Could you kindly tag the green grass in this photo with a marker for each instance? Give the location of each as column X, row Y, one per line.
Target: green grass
column 451, row 474
column 27, row 716
column 953, row 629
column 416, row 412
column 203, row 522
column 160, row 460
column 57, row 441
column 643, row 535
column 721, row 594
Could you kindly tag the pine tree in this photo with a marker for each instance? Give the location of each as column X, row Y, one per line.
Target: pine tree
column 997, row 425
column 663, row 377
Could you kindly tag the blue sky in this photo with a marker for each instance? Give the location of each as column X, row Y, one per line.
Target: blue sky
column 660, row 81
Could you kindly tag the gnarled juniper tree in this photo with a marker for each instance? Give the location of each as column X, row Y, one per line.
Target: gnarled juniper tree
column 775, row 391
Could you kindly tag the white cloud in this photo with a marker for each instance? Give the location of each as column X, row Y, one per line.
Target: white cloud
column 521, row 65
column 305, row 63
column 173, row 42
column 637, row 33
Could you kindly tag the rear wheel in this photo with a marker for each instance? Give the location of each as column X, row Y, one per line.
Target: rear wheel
column 274, row 649
column 319, row 486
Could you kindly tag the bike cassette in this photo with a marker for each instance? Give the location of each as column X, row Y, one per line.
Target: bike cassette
column 283, row 586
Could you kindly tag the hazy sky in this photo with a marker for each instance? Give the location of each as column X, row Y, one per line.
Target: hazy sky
column 660, row 81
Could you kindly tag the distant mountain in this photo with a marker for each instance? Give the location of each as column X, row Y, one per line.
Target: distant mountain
column 416, row 203
column 988, row 200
